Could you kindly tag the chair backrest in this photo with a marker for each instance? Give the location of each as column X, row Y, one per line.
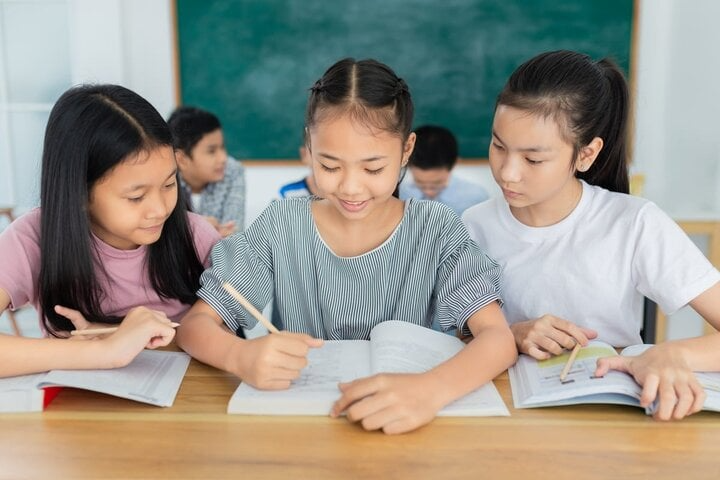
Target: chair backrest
column 649, row 329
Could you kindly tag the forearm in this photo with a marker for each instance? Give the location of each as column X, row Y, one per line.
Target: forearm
column 21, row 355
column 204, row 339
column 702, row 354
column 490, row 353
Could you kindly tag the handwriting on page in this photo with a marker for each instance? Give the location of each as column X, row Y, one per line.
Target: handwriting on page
column 334, row 362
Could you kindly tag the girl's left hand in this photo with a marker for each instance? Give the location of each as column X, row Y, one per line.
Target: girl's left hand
column 393, row 403
column 78, row 320
column 664, row 375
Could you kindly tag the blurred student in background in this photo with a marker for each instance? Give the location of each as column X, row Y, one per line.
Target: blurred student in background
column 213, row 182
column 431, row 178
column 305, row 186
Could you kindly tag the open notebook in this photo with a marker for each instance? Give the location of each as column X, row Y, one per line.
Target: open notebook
column 537, row 383
column 153, row 377
column 394, row 346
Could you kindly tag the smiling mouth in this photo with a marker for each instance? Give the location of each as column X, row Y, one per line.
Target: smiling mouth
column 353, row 206
column 153, row 228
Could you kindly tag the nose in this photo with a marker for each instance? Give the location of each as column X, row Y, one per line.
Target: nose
column 350, row 184
column 160, row 206
column 510, row 170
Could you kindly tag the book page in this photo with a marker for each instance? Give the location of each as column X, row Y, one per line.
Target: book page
column 403, row 347
column 19, row 394
column 153, row 377
column 315, row 391
column 537, row 383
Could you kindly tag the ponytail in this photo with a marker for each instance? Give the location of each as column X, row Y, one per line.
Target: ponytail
column 588, row 99
column 610, row 169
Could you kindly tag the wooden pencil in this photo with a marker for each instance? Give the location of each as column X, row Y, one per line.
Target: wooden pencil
column 101, row 331
column 250, row 308
column 570, row 361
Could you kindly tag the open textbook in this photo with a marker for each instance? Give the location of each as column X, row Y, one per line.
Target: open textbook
column 394, row 346
column 153, row 377
column 537, row 383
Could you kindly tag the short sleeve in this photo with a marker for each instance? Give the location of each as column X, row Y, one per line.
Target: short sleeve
column 204, row 237
column 20, row 259
column 245, row 261
column 668, row 267
column 467, row 279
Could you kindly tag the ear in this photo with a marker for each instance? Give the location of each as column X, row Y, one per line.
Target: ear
column 408, row 148
column 183, row 160
column 588, row 154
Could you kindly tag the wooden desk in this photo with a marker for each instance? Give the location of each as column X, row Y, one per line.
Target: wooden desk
column 84, row 435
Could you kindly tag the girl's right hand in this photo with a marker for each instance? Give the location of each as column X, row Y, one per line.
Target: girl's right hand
column 549, row 335
column 141, row 328
column 273, row 361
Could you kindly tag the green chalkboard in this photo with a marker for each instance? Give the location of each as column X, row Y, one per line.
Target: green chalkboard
column 252, row 61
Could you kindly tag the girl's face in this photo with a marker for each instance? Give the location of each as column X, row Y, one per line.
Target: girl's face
column 129, row 205
column 206, row 163
column 356, row 167
column 533, row 165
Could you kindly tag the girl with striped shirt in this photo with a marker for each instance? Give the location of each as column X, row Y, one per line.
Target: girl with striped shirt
column 339, row 265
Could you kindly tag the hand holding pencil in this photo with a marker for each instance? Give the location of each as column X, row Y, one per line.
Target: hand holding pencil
column 271, row 362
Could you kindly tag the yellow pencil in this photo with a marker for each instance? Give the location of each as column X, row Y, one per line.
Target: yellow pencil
column 568, row 365
column 101, row 331
column 250, row 308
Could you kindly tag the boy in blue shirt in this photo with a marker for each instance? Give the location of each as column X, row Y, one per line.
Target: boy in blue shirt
column 431, row 164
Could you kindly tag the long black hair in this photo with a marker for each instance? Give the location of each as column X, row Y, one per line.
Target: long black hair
column 92, row 129
column 588, row 99
column 367, row 90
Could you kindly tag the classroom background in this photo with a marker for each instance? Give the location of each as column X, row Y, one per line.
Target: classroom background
column 48, row 45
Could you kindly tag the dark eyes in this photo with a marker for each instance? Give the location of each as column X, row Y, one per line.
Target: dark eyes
column 138, row 199
column 335, row 169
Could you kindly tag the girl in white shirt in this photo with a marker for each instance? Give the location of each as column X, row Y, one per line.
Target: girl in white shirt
column 579, row 253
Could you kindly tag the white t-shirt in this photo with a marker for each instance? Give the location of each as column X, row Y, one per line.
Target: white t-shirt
column 594, row 267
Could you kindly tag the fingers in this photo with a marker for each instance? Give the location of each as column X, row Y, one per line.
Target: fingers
column 667, row 399
column 272, row 362
column 685, row 399
column 606, row 364
column 699, row 397
column 353, row 392
column 162, row 337
column 549, row 335
column 75, row 317
column 297, row 344
column 650, row 390
column 538, row 354
column 679, row 397
column 590, row 334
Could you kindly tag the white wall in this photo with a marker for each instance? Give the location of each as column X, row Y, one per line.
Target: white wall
column 46, row 46
column 677, row 136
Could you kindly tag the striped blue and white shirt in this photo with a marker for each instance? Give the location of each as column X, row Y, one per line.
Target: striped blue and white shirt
column 428, row 269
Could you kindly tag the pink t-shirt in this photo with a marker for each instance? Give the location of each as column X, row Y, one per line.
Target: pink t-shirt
column 130, row 284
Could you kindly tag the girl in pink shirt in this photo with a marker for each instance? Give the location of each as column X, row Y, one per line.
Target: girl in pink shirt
column 112, row 243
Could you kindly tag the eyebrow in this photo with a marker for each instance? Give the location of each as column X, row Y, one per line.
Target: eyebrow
column 526, row 149
column 139, row 186
column 369, row 159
